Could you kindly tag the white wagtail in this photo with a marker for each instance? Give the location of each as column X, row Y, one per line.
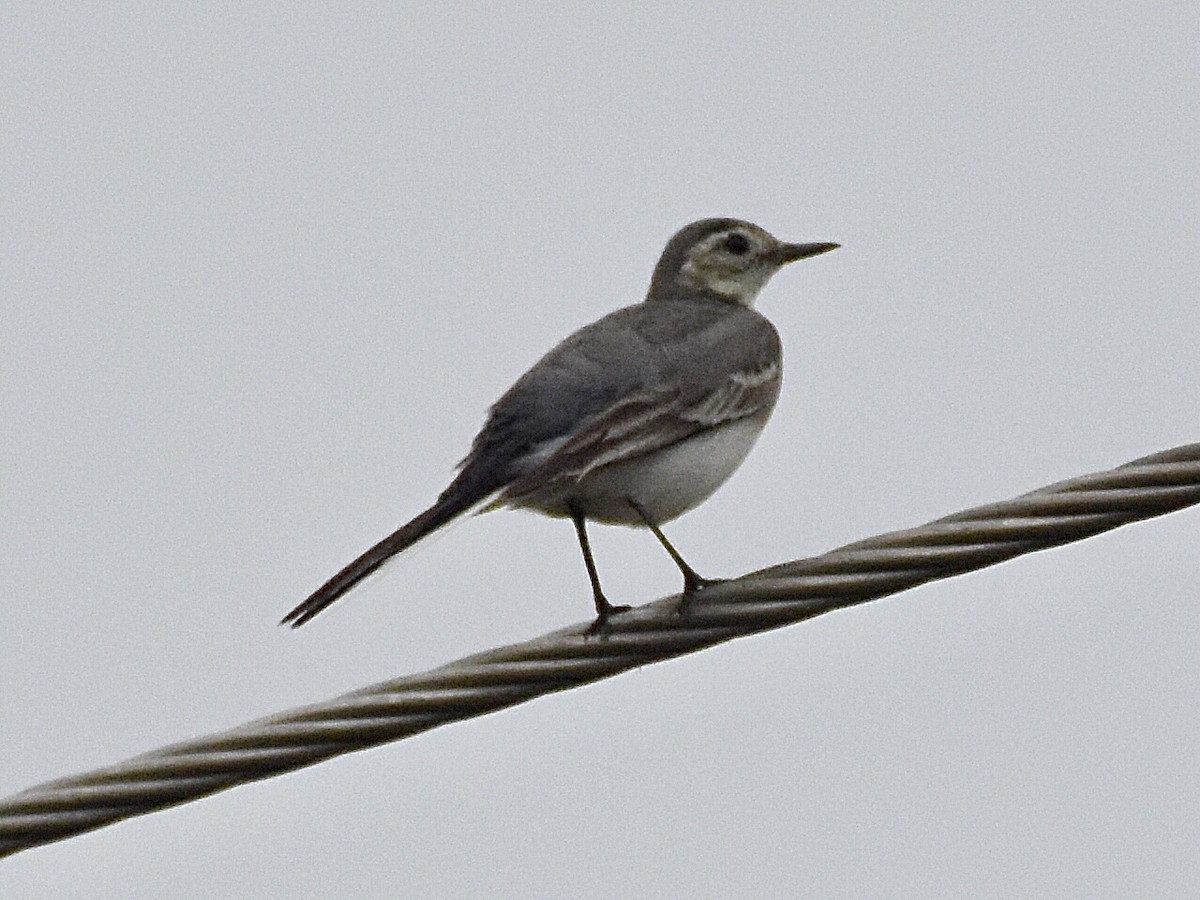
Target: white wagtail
column 632, row 420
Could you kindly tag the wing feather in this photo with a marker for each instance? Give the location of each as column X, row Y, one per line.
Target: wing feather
column 641, row 424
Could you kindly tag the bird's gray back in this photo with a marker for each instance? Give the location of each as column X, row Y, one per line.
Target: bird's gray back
column 689, row 345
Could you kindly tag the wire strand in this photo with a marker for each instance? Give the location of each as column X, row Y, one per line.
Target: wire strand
column 781, row 595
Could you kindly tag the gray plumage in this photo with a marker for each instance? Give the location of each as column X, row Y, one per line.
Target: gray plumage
column 633, row 419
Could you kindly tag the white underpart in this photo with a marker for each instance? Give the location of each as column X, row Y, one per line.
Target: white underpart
column 669, row 482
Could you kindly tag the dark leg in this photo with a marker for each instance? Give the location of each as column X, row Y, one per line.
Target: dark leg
column 604, row 609
column 692, row 580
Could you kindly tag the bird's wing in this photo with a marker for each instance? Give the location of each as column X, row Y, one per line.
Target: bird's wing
column 642, row 423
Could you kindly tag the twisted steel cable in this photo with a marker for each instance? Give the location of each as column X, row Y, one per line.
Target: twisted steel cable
column 781, row 595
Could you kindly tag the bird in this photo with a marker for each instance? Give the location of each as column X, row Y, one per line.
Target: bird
column 632, row 420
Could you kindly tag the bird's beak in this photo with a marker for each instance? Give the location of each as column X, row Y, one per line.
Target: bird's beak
column 786, row 253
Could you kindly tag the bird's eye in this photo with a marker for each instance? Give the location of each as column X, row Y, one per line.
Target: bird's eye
column 737, row 244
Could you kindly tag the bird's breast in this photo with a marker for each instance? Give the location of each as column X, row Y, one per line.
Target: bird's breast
column 666, row 482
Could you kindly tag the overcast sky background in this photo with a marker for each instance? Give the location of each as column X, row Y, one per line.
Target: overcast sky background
column 264, row 268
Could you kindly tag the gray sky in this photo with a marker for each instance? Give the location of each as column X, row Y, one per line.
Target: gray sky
column 264, row 270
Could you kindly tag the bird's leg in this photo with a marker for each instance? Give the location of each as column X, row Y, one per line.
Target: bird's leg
column 604, row 609
column 693, row 581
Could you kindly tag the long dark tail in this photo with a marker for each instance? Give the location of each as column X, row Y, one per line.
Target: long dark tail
column 456, row 499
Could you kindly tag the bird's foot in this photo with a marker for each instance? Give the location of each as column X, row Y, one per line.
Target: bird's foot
column 604, row 610
column 693, row 584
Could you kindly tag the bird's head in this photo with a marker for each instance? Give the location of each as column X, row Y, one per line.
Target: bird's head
column 726, row 258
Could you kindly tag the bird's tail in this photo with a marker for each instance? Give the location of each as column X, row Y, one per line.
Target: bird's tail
column 460, row 497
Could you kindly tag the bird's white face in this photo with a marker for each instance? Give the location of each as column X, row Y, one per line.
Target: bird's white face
column 735, row 262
